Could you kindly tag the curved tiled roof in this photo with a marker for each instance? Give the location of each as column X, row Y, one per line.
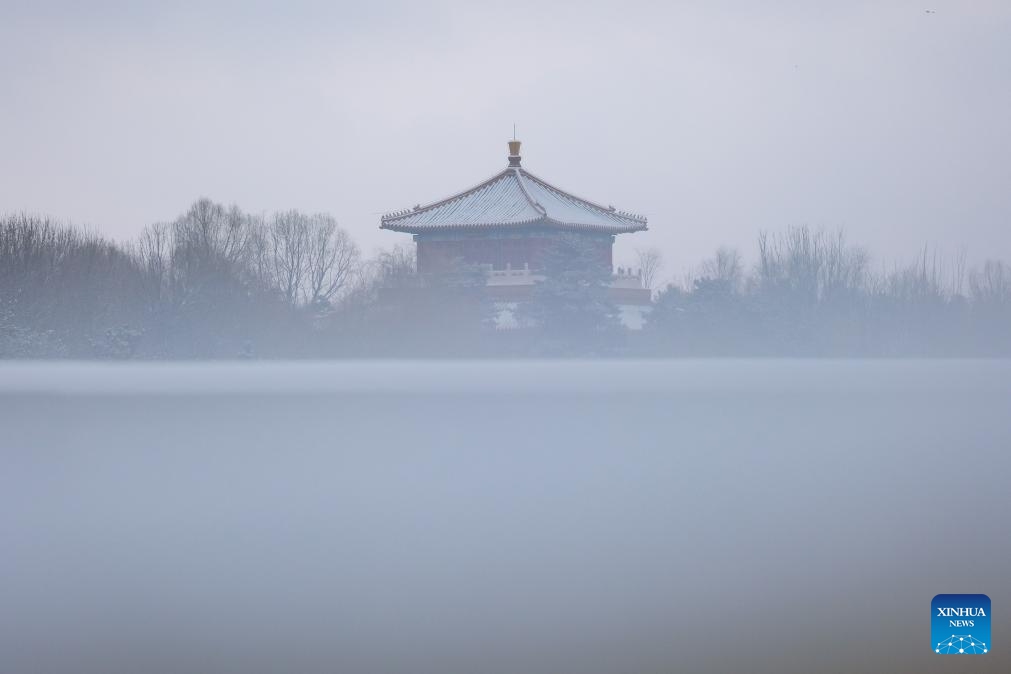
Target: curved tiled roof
column 513, row 198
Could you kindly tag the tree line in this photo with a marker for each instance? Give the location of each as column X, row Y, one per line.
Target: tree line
column 216, row 282
column 811, row 293
column 221, row 283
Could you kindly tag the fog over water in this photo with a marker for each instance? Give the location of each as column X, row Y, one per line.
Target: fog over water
column 274, row 436
column 480, row 517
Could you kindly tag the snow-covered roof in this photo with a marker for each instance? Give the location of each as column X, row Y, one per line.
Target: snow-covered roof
column 513, row 198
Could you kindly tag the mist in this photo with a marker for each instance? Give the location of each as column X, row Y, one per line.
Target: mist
column 417, row 516
column 219, row 283
column 532, row 337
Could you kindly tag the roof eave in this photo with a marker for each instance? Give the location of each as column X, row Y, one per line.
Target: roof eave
column 638, row 226
column 555, row 224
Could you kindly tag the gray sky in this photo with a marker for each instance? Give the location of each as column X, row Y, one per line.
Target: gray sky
column 715, row 119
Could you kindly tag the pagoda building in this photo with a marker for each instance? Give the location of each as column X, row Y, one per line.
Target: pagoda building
column 507, row 223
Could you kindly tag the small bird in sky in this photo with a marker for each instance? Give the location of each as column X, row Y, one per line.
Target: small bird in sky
column 930, row 11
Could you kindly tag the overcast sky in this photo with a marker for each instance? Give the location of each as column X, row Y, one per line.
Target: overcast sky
column 714, row 119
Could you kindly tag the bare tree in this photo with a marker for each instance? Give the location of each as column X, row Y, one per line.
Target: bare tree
column 724, row 266
column 289, row 253
column 991, row 285
column 650, row 262
column 311, row 258
column 212, row 231
column 958, row 272
column 332, row 258
column 60, row 286
column 842, row 268
column 397, row 266
column 809, row 266
column 153, row 253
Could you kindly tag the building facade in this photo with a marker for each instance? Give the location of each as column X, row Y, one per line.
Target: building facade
column 507, row 223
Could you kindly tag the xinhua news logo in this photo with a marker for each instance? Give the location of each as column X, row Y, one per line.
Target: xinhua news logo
column 960, row 624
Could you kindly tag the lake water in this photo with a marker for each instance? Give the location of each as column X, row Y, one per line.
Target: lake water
column 641, row 516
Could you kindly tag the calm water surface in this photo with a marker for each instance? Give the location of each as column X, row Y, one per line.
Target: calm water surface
column 780, row 516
